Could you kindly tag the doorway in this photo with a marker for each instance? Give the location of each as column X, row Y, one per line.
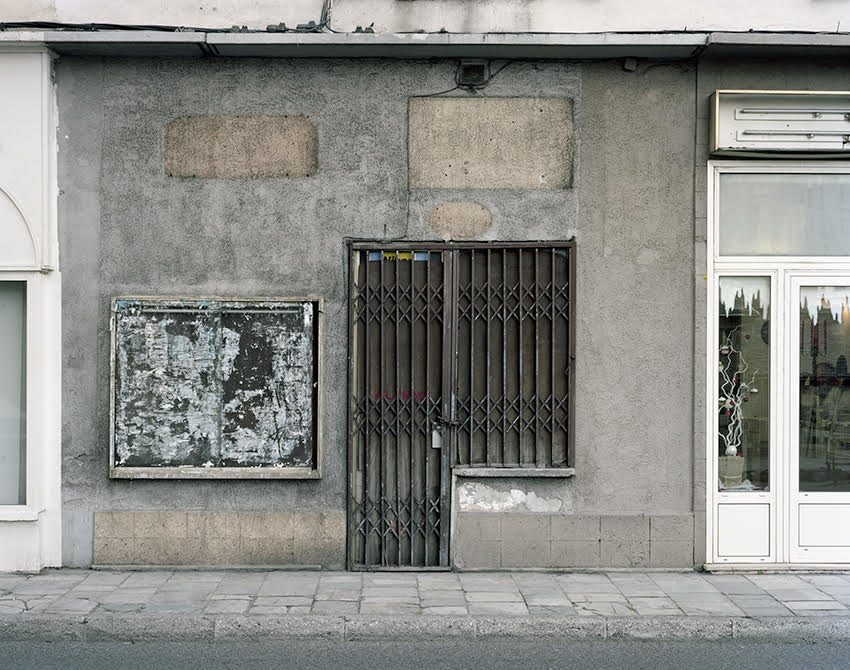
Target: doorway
column 778, row 386
column 460, row 354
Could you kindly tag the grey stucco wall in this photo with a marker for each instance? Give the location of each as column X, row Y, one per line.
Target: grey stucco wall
column 635, row 289
column 128, row 229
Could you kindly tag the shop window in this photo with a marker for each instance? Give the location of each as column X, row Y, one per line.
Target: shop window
column 513, row 357
column 13, row 297
column 225, row 388
column 743, row 383
column 784, row 214
column 477, row 339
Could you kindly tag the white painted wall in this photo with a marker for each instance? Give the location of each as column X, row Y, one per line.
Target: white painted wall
column 198, row 13
column 457, row 16
column 30, row 534
column 582, row 16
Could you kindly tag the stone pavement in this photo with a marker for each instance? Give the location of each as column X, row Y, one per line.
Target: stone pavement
column 85, row 604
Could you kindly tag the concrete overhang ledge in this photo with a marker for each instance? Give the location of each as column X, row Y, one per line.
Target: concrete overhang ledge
column 663, row 45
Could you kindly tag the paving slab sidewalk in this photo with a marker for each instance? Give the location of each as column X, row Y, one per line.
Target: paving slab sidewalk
column 243, row 604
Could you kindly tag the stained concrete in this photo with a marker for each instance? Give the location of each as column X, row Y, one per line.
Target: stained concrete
column 533, row 495
column 129, row 229
column 228, row 146
column 217, row 538
column 522, row 539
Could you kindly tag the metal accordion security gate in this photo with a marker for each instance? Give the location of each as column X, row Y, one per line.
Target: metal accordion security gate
column 460, row 354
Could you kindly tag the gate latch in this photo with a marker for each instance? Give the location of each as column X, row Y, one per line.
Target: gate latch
column 441, row 423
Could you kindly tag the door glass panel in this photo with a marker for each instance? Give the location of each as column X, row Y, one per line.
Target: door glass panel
column 792, row 214
column 824, row 388
column 743, row 382
column 12, row 393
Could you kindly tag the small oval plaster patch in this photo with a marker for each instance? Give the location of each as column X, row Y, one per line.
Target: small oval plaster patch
column 460, row 220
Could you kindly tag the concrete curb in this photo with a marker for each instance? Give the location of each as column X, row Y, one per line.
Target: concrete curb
column 233, row 628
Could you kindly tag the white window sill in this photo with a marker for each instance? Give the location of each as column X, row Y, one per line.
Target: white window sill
column 18, row 513
column 514, row 472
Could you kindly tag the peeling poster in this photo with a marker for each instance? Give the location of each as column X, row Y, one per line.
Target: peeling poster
column 214, row 384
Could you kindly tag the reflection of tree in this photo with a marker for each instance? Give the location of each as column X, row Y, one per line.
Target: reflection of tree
column 736, row 383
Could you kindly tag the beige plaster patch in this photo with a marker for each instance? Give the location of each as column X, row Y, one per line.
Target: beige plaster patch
column 226, row 146
column 491, row 143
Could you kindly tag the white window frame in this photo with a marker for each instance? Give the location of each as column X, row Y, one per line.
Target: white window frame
column 776, row 268
column 33, row 395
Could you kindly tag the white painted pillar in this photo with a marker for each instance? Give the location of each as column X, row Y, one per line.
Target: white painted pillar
column 30, row 533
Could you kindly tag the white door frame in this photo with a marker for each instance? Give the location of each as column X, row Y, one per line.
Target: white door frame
column 798, row 553
column 782, row 271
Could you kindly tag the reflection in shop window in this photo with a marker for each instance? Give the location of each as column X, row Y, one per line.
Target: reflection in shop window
column 12, row 393
column 824, row 388
column 743, row 369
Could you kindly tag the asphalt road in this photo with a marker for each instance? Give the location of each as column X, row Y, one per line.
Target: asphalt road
column 495, row 655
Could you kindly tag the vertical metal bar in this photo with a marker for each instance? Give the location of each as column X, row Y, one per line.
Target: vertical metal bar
column 452, row 294
column 471, row 354
column 552, row 353
column 504, row 351
column 488, row 314
column 449, row 340
column 571, row 260
column 537, row 443
column 367, row 344
column 428, row 428
column 350, row 514
column 520, row 399
column 397, row 410
column 411, row 534
column 383, row 389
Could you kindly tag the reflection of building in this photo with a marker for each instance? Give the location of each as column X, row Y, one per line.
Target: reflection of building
column 744, row 385
column 824, row 330
column 824, row 391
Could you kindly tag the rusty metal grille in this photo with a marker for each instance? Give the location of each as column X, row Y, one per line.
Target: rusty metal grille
column 398, row 479
column 460, row 354
column 513, row 357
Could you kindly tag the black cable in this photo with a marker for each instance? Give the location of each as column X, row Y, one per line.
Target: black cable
column 493, row 75
column 448, row 90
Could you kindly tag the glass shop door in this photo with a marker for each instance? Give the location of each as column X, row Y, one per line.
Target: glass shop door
column 819, row 418
column 746, row 445
column 778, row 387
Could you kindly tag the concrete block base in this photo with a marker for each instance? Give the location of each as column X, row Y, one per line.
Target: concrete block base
column 142, row 538
column 520, row 540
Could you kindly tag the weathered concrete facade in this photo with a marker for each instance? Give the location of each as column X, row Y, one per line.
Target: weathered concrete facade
column 129, row 228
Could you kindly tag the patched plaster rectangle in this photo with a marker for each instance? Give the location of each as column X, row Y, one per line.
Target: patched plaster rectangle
column 224, row 146
column 491, row 143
